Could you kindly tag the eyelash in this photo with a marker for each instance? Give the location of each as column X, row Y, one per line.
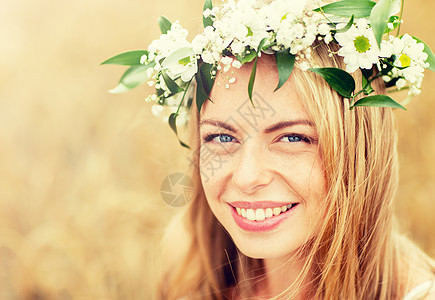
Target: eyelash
column 211, row 137
column 301, row 137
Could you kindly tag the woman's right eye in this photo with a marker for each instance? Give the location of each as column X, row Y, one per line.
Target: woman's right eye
column 219, row 138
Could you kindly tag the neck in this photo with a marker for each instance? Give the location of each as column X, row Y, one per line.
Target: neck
column 281, row 273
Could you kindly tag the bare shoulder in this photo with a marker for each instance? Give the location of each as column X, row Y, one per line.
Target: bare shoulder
column 421, row 282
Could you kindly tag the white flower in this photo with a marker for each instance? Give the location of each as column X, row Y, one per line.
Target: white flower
column 157, row 110
column 207, row 57
column 170, row 42
column 359, row 47
column 280, row 10
column 328, row 38
column 324, row 29
column 237, row 47
column 304, row 66
column 410, row 60
column 395, row 8
column 237, row 64
column 401, row 83
column 199, row 43
column 226, row 60
column 185, row 68
column 207, row 13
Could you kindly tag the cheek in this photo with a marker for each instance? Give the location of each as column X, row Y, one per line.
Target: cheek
column 305, row 174
column 214, row 165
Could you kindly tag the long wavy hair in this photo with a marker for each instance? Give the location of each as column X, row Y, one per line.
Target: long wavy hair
column 357, row 252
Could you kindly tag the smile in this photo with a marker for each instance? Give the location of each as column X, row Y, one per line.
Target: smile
column 261, row 214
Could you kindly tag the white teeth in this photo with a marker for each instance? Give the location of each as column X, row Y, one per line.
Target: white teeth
column 277, row 211
column 250, row 214
column 259, row 215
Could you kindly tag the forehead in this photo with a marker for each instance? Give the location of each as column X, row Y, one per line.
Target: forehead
column 233, row 103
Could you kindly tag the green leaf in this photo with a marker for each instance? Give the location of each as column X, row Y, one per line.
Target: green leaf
column 171, row 84
column 207, row 21
column 173, row 124
column 134, row 76
column 367, row 87
column 201, row 96
column 395, row 20
column 164, row 24
column 206, row 76
column 252, row 80
column 285, row 62
column 378, row 101
column 178, row 55
column 262, row 44
column 379, row 18
column 348, row 25
column 430, row 55
column 204, row 84
column 341, row 81
column 346, row 8
column 246, row 58
column 131, row 58
column 366, row 84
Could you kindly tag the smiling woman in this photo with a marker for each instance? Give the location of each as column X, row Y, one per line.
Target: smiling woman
column 275, row 165
column 301, row 206
column 296, row 169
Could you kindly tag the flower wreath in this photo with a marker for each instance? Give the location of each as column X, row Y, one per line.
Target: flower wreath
column 237, row 33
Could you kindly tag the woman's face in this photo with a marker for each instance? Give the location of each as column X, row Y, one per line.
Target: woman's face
column 260, row 167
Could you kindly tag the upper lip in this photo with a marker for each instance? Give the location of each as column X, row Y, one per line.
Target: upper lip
column 258, row 204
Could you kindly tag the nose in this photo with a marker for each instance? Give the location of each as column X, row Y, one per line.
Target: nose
column 251, row 172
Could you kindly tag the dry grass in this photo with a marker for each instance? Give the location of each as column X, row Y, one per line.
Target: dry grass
column 80, row 169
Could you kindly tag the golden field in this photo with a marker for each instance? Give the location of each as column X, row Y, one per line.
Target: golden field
column 80, row 169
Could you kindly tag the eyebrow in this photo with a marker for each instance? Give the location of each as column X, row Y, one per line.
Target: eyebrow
column 272, row 128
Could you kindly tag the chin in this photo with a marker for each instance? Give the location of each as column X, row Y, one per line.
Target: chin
column 265, row 248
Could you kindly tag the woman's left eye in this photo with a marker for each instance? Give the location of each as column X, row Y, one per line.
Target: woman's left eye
column 294, row 138
column 224, row 138
column 219, row 138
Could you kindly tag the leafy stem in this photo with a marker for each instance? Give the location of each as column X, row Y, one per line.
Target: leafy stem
column 352, row 99
column 400, row 19
column 184, row 95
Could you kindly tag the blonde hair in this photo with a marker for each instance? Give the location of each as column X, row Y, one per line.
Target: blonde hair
column 357, row 252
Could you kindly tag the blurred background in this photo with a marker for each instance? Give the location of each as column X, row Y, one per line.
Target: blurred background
column 81, row 169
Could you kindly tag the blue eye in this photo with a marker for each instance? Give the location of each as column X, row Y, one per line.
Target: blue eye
column 224, row 138
column 219, row 138
column 294, row 139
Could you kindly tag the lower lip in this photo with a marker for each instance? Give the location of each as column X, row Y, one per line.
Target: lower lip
column 259, row 226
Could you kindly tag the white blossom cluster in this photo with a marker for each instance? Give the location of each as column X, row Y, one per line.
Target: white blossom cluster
column 173, row 40
column 358, row 46
column 409, row 62
column 238, row 29
column 235, row 27
column 181, row 71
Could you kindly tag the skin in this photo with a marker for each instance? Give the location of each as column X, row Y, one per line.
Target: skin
column 276, row 160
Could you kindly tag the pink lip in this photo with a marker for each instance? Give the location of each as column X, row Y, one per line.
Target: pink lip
column 260, row 226
column 260, row 204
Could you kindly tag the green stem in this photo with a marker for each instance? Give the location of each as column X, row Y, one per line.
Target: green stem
column 400, row 19
column 396, row 90
column 184, row 95
column 323, row 14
